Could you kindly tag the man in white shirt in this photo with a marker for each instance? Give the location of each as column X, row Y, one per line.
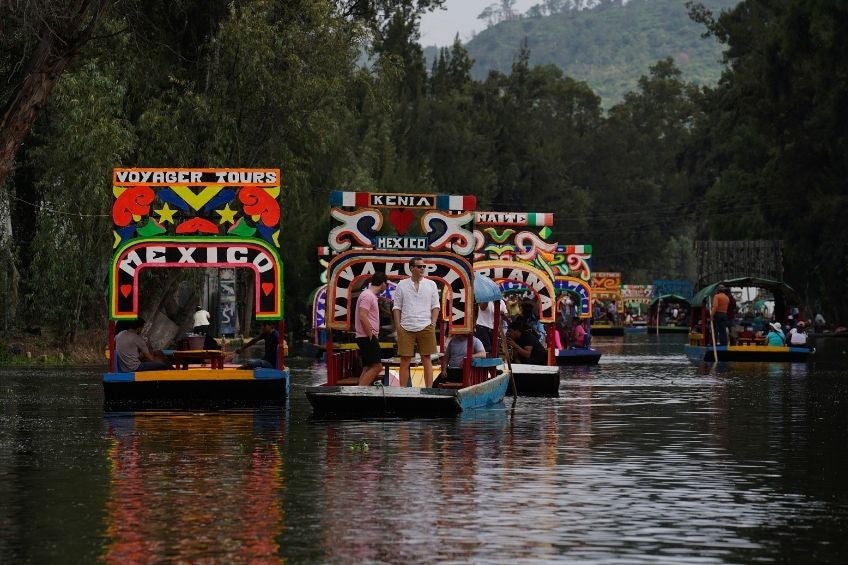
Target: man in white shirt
column 415, row 312
column 485, row 328
column 201, row 321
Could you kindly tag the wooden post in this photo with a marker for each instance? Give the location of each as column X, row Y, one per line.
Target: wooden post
column 281, row 347
column 113, row 363
column 496, row 330
column 659, row 306
column 328, row 354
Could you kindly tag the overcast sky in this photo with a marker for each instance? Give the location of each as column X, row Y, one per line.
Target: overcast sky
column 440, row 27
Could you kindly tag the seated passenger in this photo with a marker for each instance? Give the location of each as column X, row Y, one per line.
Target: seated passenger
column 775, row 335
column 455, row 352
column 797, row 336
column 129, row 346
column 272, row 340
column 525, row 345
column 578, row 334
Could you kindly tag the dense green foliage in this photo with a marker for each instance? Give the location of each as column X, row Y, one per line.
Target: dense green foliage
column 775, row 143
column 259, row 83
column 609, row 47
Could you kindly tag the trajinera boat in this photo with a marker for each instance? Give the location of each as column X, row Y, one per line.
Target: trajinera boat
column 670, row 304
column 512, row 249
column 382, row 233
column 748, row 346
column 607, row 304
column 668, row 314
column 196, row 218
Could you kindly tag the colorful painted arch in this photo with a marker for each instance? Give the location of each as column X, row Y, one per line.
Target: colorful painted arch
column 535, row 280
column 197, row 252
column 348, row 270
column 578, row 287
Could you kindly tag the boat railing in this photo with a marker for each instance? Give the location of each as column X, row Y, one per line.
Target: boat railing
column 482, row 370
column 341, row 365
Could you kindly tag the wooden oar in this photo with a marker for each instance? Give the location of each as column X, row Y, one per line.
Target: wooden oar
column 509, row 366
column 715, row 349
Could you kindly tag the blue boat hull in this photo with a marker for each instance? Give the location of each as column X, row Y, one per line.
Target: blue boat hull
column 195, row 389
column 578, row 356
column 379, row 401
column 668, row 329
column 608, row 330
column 748, row 353
column 483, row 394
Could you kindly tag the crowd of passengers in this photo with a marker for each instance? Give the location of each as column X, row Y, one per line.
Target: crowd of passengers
column 755, row 326
column 525, row 335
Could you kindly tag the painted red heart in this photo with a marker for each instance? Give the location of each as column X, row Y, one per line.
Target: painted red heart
column 267, row 288
column 401, row 219
column 126, row 289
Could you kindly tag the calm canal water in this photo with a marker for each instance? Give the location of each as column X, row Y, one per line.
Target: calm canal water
column 646, row 458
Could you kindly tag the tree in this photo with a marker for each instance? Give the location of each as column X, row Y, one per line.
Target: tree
column 776, row 138
column 48, row 33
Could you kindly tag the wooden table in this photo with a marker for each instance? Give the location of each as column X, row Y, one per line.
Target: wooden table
column 751, row 340
column 183, row 357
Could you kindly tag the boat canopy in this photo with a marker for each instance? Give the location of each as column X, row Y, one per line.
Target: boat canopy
column 669, row 298
column 485, row 289
column 775, row 287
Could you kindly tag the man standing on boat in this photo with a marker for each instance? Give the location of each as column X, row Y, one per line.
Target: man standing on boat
column 201, row 321
column 718, row 311
column 485, row 327
column 416, row 311
column 368, row 328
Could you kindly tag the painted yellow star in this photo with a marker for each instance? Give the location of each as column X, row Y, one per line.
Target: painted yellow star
column 165, row 214
column 226, row 214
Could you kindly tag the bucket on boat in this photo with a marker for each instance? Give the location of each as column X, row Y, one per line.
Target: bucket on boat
column 194, row 341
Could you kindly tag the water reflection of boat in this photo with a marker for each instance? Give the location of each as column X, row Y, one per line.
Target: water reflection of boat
column 700, row 346
column 184, row 486
column 446, row 248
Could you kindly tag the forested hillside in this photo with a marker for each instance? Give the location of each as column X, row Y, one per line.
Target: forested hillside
column 260, row 83
column 609, row 47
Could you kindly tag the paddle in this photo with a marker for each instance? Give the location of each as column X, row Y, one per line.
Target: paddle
column 715, row 349
column 509, row 366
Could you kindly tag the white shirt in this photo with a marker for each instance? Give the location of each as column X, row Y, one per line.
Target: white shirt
column 201, row 318
column 796, row 337
column 416, row 306
column 486, row 318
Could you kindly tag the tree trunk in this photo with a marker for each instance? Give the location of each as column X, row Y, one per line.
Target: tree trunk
column 9, row 278
column 58, row 41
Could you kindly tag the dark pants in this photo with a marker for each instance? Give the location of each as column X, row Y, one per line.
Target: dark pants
column 720, row 323
column 484, row 334
column 454, row 375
